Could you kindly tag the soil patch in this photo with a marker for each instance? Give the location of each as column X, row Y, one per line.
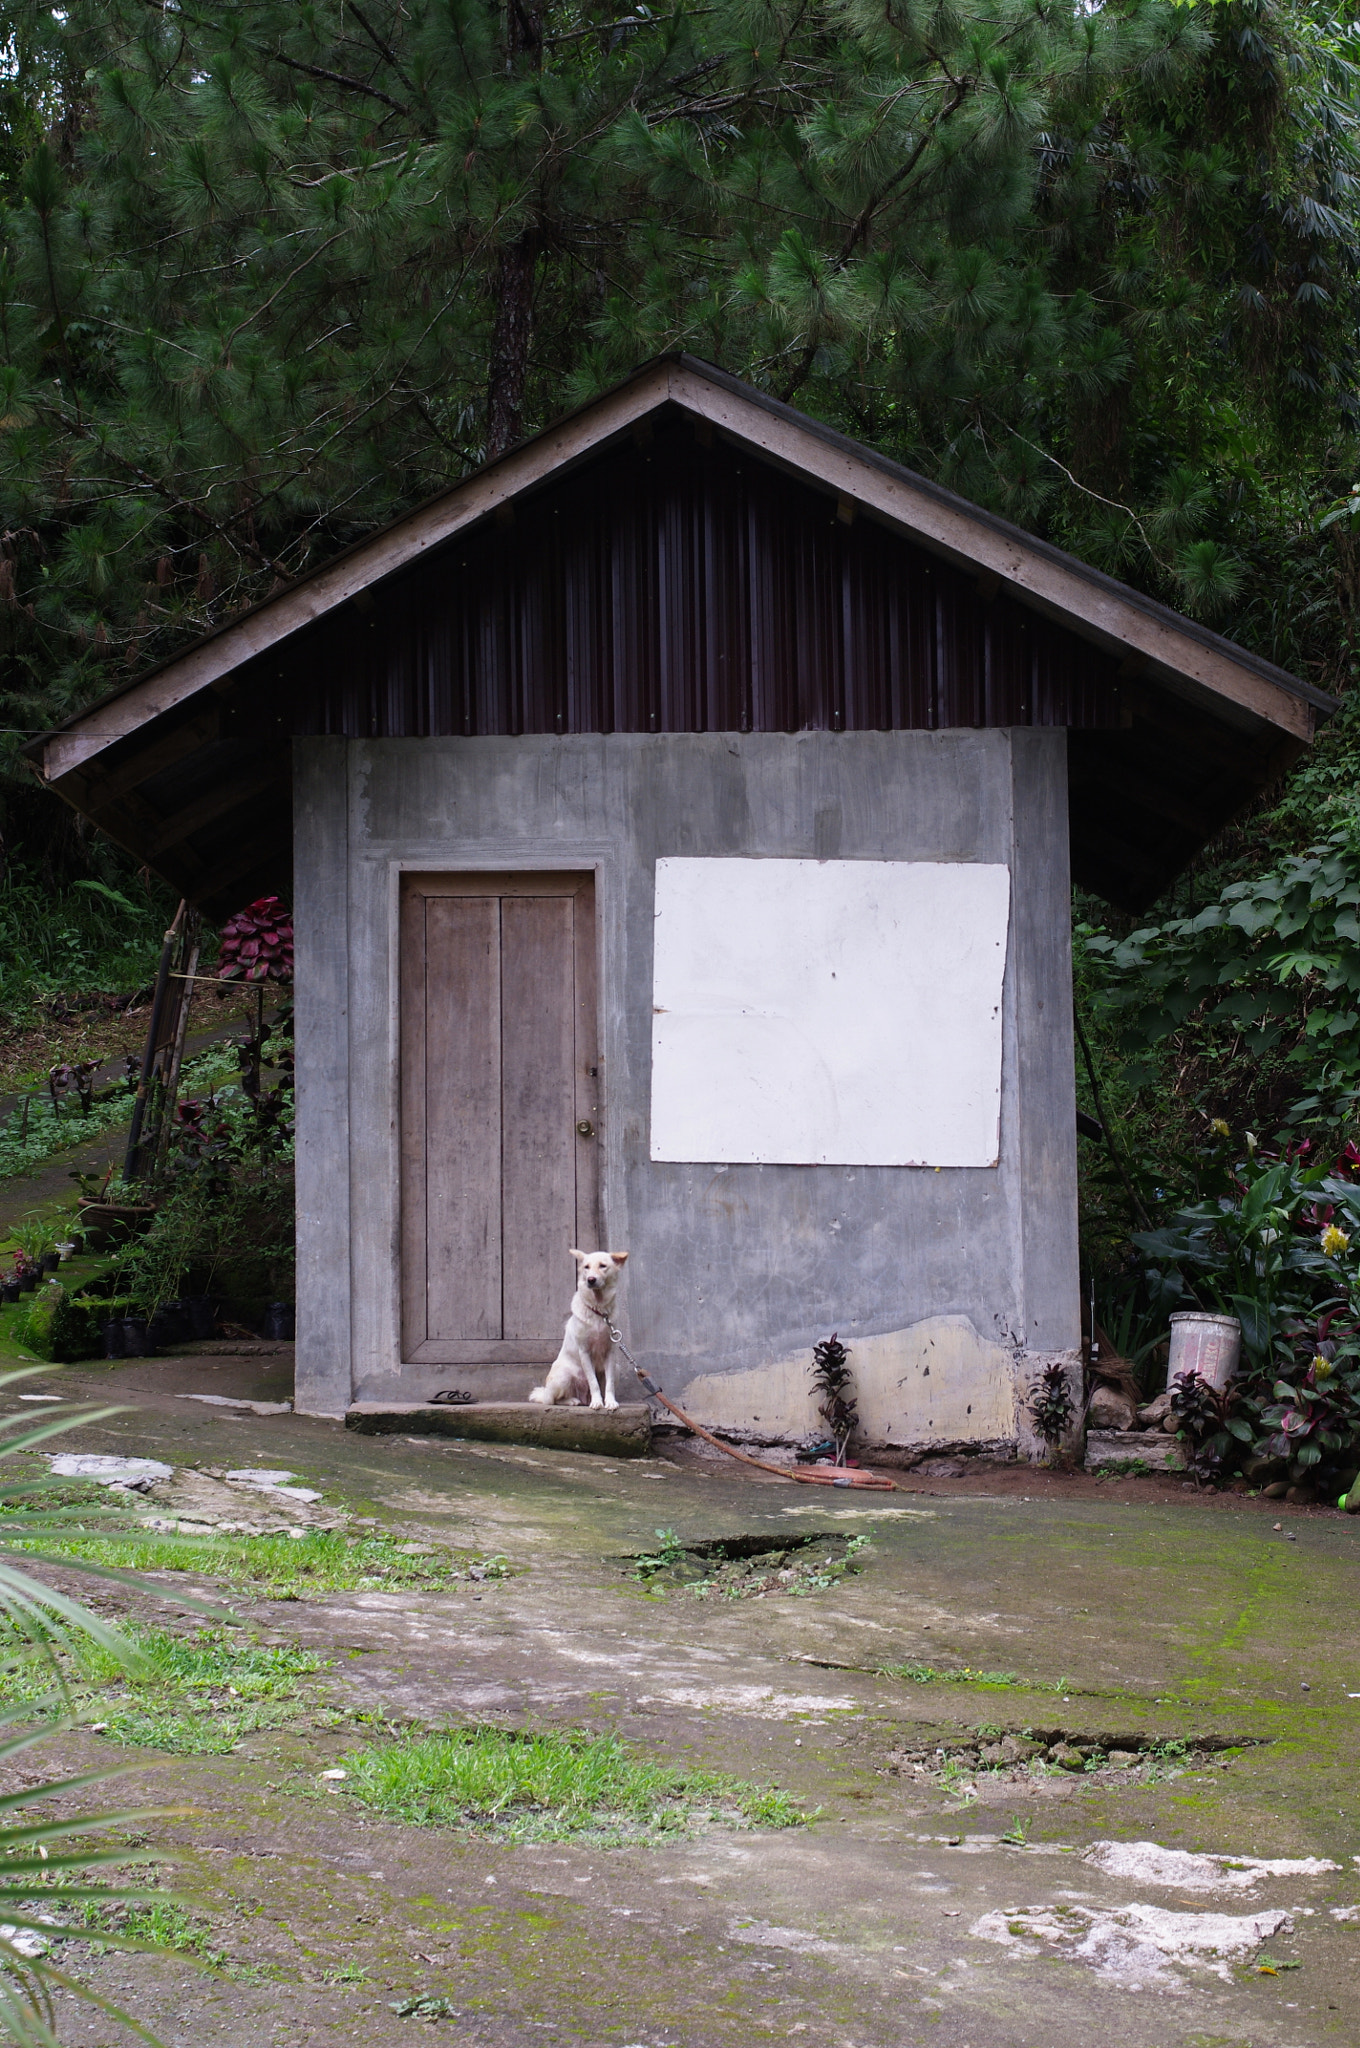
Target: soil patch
column 747, row 1567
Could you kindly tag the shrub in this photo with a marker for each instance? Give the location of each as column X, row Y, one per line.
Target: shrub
column 61, row 1327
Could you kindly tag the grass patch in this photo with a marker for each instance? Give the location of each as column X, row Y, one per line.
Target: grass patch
column 194, row 1695
column 284, row 1567
column 42, row 1128
column 157, row 1923
column 26, row 1141
column 552, row 1787
column 964, row 1674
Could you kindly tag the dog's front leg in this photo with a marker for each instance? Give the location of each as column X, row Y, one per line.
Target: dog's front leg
column 610, row 1397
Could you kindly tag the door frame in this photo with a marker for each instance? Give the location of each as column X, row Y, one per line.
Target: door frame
column 501, row 878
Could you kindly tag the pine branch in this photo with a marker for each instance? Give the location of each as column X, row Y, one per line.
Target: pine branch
column 323, row 76
column 384, row 49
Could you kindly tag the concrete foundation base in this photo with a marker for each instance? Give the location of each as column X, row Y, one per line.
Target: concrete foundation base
column 623, row 1432
column 1153, row 1447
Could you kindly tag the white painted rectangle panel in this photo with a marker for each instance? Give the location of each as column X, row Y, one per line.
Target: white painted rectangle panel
column 837, row 1013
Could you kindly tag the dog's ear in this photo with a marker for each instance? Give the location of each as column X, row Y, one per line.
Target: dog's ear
column 578, row 1255
column 619, row 1258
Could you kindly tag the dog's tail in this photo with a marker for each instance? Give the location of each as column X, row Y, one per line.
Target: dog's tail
column 542, row 1395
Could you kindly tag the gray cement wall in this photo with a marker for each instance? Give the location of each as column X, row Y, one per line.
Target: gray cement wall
column 949, row 1284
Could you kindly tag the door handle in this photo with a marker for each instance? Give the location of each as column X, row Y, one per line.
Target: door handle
column 585, row 1129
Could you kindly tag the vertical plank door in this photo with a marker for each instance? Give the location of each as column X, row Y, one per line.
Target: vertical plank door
column 499, row 1112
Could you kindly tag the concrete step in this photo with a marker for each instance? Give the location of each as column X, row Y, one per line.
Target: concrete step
column 1158, row 1451
column 622, row 1432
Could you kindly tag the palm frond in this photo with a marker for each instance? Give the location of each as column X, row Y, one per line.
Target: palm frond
column 41, row 1857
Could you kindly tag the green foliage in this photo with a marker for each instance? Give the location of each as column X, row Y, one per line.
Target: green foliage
column 834, row 1382
column 1273, row 1247
column 1272, row 966
column 34, row 1614
column 548, row 1786
column 59, row 1326
column 667, row 1555
column 65, row 936
column 268, row 275
column 1224, row 1040
column 158, row 1923
column 192, row 1695
column 299, row 1566
column 29, row 1138
column 228, row 1233
column 42, row 1631
column 1254, row 1249
column 1050, row 1404
column 932, row 1674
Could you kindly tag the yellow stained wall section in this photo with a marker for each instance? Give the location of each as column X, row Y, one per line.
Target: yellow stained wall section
column 937, row 1381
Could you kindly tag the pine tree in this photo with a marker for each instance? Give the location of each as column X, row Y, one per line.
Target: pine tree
column 271, row 272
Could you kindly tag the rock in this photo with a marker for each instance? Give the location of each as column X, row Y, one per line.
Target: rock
column 1276, row 1490
column 1111, row 1409
column 1018, row 1749
column 1171, row 1423
column 1123, row 1759
column 990, row 1756
column 1299, row 1496
column 139, row 1473
column 1261, row 1471
column 1066, row 1757
column 261, row 1480
column 1121, row 1447
column 230, row 1401
column 1155, row 1411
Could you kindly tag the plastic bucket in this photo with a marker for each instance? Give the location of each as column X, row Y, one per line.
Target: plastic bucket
column 1208, row 1345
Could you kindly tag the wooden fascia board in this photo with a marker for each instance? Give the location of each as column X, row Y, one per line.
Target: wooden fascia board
column 972, row 543
column 214, row 660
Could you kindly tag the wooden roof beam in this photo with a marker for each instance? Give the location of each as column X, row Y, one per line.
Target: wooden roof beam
column 215, row 803
column 105, row 786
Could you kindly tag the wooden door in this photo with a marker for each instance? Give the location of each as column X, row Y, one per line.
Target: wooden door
column 499, row 1109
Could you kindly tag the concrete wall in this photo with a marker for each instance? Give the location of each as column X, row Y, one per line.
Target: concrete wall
column 949, row 1284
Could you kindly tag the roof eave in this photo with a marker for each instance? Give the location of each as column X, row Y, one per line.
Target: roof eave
column 1142, row 635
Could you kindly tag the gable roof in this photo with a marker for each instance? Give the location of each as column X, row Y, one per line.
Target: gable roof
column 152, row 764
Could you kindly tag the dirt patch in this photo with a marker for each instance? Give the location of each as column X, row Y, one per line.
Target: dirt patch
column 1035, row 1757
column 748, row 1567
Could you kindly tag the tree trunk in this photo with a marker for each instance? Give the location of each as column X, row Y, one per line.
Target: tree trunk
column 510, row 346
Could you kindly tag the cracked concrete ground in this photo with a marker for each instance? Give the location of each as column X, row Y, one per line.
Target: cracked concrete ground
column 899, row 1915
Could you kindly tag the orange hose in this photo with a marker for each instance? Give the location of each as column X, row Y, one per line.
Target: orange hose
column 810, row 1475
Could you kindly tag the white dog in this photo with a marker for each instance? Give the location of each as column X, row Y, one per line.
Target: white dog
column 587, row 1346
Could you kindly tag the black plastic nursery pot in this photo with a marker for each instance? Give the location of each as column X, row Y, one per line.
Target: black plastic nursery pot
column 136, row 1338
column 170, row 1325
column 11, row 1290
column 280, row 1322
column 113, row 1338
column 202, row 1314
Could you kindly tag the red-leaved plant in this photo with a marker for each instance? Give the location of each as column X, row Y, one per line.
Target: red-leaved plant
column 257, row 944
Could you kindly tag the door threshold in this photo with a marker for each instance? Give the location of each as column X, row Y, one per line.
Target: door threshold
column 622, row 1432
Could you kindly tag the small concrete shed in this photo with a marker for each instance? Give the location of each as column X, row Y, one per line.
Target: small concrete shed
column 679, row 816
